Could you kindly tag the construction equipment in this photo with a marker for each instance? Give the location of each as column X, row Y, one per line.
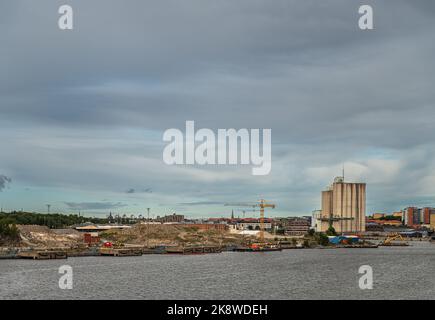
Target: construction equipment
column 334, row 218
column 244, row 211
column 394, row 237
column 262, row 204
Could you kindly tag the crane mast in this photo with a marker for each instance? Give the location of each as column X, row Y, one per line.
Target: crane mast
column 262, row 204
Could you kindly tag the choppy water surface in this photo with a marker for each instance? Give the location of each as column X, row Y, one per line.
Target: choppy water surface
column 399, row 273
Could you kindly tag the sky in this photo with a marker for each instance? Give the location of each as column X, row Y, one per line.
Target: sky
column 83, row 111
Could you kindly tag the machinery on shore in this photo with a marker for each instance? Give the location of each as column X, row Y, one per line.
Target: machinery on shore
column 391, row 238
column 262, row 204
column 259, row 247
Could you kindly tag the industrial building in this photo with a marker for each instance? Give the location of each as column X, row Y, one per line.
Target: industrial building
column 252, row 224
column 343, row 207
column 173, row 218
column 295, row 226
column 378, row 215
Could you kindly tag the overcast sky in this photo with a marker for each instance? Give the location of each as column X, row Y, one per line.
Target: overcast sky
column 82, row 112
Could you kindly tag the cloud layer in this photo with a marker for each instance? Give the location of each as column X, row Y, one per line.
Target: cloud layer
column 83, row 111
column 94, row 205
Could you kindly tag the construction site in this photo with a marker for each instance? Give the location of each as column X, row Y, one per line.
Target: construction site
column 341, row 223
column 175, row 235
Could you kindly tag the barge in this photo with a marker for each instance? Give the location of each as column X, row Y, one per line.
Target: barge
column 42, row 254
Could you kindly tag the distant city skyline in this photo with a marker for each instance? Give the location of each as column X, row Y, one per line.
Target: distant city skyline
column 83, row 111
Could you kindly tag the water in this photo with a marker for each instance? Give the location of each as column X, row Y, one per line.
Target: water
column 399, row 273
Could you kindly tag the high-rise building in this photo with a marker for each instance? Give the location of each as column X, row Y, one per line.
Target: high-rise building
column 343, row 206
column 432, row 220
column 413, row 216
column 425, row 215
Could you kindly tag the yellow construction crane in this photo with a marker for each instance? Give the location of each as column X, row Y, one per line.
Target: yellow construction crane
column 262, row 204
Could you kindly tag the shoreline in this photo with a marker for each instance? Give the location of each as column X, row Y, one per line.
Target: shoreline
column 56, row 253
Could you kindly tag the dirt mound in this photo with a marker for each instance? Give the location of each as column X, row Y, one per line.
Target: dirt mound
column 139, row 234
column 33, row 235
column 171, row 235
column 33, row 228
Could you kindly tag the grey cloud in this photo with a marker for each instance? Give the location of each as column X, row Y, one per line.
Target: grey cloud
column 330, row 93
column 4, row 180
column 94, row 205
column 133, row 190
column 321, row 71
column 200, row 203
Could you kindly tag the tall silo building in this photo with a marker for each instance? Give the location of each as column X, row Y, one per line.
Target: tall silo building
column 343, row 206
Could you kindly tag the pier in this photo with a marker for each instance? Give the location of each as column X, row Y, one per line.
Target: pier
column 42, row 254
column 194, row 250
column 120, row 252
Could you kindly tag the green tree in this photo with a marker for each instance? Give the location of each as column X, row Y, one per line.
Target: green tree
column 322, row 239
column 55, row 220
column 331, row 231
column 8, row 230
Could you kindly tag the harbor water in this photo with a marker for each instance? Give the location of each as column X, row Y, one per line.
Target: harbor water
column 398, row 273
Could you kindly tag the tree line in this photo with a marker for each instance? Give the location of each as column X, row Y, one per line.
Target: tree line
column 52, row 220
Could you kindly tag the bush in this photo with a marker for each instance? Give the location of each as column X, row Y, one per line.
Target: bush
column 8, row 231
column 322, row 239
column 331, row 231
column 279, row 231
column 311, row 232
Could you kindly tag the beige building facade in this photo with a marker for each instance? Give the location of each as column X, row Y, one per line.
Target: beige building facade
column 345, row 204
column 432, row 221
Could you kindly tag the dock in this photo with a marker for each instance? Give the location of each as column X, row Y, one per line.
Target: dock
column 194, row 250
column 394, row 244
column 120, row 252
column 42, row 254
column 257, row 249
